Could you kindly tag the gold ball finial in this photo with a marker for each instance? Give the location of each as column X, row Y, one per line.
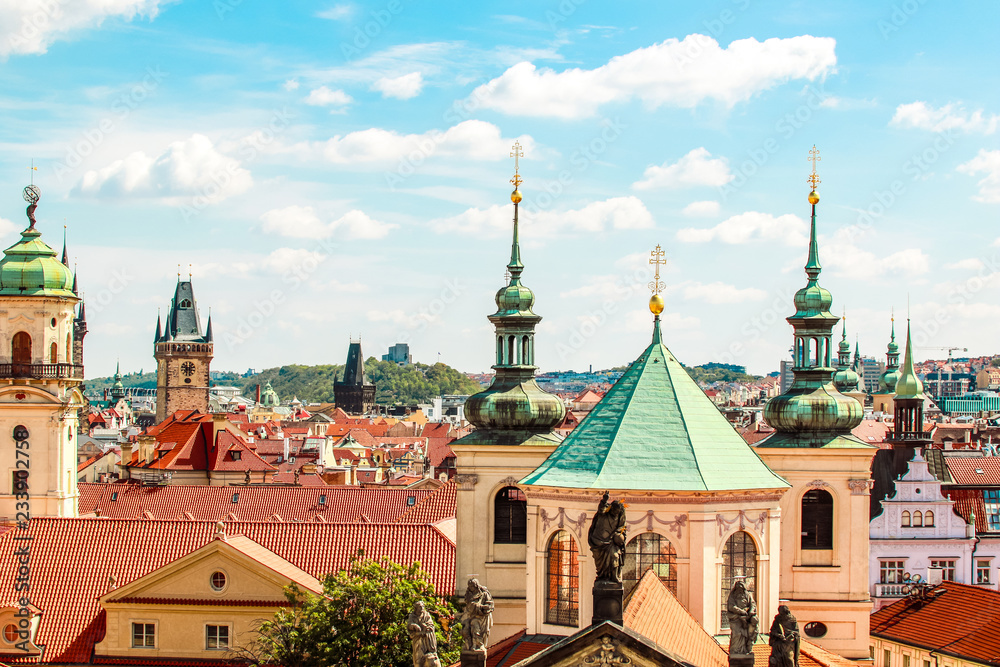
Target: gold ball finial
column 515, row 196
column 813, row 197
column 656, row 304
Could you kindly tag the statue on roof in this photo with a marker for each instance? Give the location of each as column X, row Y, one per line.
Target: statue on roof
column 784, row 639
column 607, row 539
column 477, row 618
column 420, row 626
column 742, row 612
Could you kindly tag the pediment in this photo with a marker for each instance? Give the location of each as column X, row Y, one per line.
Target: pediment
column 604, row 645
column 20, row 394
column 190, row 577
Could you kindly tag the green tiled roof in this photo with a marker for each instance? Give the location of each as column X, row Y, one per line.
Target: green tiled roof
column 655, row 430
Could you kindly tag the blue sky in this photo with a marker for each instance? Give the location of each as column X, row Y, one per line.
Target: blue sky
column 340, row 169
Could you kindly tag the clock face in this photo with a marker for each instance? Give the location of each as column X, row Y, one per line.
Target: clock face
column 187, row 368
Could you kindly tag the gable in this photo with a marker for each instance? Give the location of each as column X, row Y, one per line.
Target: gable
column 604, row 644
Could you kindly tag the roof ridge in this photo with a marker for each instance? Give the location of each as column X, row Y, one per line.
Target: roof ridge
column 673, row 390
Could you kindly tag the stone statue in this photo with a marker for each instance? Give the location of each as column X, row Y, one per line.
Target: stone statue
column 607, row 539
column 742, row 612
column 420, row 625
column 246, row 478
column 477, row 619
column 784, row 639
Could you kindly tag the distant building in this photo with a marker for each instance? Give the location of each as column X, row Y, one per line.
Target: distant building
column 786, row 376
column 354, row 395
column 972, row 403
column 399, row 354
column 183, row 353
column 873, row 369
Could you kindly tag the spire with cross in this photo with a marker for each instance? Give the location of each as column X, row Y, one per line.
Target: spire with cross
column 657, row 259
column 516, row 152
column 814, row 158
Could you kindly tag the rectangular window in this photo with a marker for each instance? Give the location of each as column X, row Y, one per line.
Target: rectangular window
column 947, row 568
column 927, row 663
column 216, row 637
column 982, row 571
column 992, row 499
column 906, row 661
column 143, row 635
column 886, row 658
column 891, row 571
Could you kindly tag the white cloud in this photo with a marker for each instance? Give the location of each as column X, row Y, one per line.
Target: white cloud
column 401, row 318
column 471, row 139
column 291, row 84
column 31, row 26
column 842, row 257
column 846, row 103
column 921, row 116
column 402, row 87
column 298, row 260
column 189, row 168
column 615, row 213
column 335, row 13
column 673, row 73
column 987, row 162
column 970, row 264
column 8, row 228
column 324, row 97
column 750, row 226
column 701, row 209
column 717, row 292
column 696, row 168
column 302, row 222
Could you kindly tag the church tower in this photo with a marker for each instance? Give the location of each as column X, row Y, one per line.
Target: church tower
column 882, row 400
column 183, row 354
column 513, row 422
column 41, row 371
column 354, row 394
column 824, row 552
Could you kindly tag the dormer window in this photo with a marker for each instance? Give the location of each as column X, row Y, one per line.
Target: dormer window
column 185, row 303
column 236, row 454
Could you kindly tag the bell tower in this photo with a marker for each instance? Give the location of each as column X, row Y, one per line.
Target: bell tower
column 41, row 370
column 183, row 354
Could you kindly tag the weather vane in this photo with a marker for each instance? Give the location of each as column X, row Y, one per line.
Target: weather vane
column 516, row 153
column 814, row 158
column 656, row 258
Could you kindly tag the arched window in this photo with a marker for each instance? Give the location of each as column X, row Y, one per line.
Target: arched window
column 499, row 350
column 817, row 520
column 69, row 350
column 526, row 359
column 739, row 561
column 510, row 350
column 928, row 519
column 510, row 516
column 20, row 351
column 562, row 573
column 918, row 519
column 650, row 551
column 53, row 354
column 905, row 522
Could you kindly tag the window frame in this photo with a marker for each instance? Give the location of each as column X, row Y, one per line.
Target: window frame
column 731, row 571
column 7, row 639
column 641, row 556
column 565, row 582
column 218, row 626
column 145, row 625
column 991, row 502
column 946, row 565
column 817, row 534
column 891, row 566
column 506, row 514
column 984, row 565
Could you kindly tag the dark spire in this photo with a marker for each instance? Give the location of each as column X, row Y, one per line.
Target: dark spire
column 82, row 317
column 65, row 255
column 208, row 330
column 75, row 290
column 159, row 329
column 183, row 322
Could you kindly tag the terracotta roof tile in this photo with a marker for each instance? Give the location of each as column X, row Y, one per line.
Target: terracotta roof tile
column 934, row 624
column 73, row 559
column 974, row 470
column 437, row 506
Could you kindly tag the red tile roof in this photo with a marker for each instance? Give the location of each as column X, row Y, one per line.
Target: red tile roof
column 969, row 502
column 957, row 620
column 871, row 431
column 436, row 430
column 439, row 450
column 254, row 503
column 437, row 506
column 72, row 561
column 974, row 470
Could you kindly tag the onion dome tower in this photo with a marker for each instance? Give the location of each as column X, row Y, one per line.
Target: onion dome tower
column 887, row 381
column 825, row 515
column 813, row 413
column 845, row 379
column 515, row 407
column 514, row 420
column 909, row 402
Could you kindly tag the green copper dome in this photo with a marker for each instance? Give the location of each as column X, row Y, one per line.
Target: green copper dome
column 30, row 267
column 846, row 380
column 515, row 299
column 812, row 300
column 909, row 385
column 887, row 381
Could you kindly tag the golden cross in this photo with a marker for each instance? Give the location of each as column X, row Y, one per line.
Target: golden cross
column 657, row 259
column 516, row 153
column 814, row 158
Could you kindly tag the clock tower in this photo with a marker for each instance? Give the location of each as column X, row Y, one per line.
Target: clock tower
column 183, row 355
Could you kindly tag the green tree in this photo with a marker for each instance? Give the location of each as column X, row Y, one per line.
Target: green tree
column 360, row 621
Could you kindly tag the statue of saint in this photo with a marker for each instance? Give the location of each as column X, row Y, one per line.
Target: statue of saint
column 784, row 639
column 607, row 539
column 477, row 619
column 420, row 625
column 742, row 612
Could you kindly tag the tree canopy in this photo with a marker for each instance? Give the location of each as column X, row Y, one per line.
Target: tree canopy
column 360, row 621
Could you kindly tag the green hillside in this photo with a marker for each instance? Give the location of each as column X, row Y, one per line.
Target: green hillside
column 416, row 383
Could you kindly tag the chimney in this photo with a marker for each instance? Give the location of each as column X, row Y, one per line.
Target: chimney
column 218, row 424
column 126, row 458
column 147, row 448
column 285, row 458
column 258, row 393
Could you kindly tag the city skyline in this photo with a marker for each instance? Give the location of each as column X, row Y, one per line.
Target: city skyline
column 352, row 176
